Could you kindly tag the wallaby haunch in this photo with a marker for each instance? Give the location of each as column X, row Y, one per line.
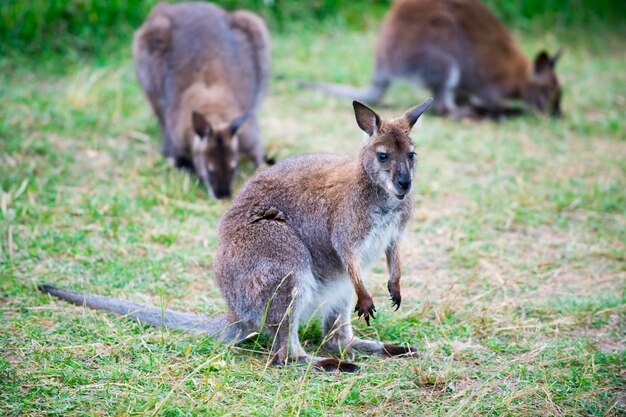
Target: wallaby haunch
column 204, row 72
column 462, row 53
column 295, row 241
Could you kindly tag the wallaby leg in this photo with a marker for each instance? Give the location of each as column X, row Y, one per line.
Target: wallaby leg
column 439, row 72
column 287, row 347
column 339, row 338
column 393, row 265
column 250, row 141
column 490, row 103
column 167, row 147
column 444, row 91
column 184, row 164
column 338, row 329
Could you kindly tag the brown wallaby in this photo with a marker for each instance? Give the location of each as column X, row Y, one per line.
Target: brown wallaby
column 462, row 53
column 295, row 242
column 204, row 72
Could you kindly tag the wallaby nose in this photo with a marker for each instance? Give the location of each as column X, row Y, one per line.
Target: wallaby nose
column 403, row 182
column 222, row 194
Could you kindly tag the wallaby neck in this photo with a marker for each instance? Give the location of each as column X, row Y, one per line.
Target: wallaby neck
column 521, row 80
column 215, row 103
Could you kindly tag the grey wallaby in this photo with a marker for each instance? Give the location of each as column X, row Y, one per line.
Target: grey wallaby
column 204, row 72
column 295, row 242
column 461, row 52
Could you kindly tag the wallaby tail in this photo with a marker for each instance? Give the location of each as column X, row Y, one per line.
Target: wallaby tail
column 371, row 94
column 221, row 328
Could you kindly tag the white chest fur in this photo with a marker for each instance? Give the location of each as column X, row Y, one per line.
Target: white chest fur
column 386, row 228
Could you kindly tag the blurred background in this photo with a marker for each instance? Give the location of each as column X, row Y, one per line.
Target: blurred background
column 35, row 26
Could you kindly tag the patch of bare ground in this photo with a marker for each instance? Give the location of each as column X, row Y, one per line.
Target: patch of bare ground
column 609, row 338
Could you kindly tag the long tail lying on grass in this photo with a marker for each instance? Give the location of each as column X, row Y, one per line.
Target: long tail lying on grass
column 221, row 328
column 370, row 94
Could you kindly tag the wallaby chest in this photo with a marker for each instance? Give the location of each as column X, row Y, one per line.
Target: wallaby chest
column 385, row 227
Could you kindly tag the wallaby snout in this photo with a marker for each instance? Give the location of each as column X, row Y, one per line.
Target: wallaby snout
column 544, row 92
column 216, row 153
column 403, row 182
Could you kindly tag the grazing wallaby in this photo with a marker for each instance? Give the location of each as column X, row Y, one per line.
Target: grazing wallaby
column 204, row 72
column 461, row 52
column 296, row 241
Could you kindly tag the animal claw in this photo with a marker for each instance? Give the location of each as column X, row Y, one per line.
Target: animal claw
column 366, row 310
column 396, row 299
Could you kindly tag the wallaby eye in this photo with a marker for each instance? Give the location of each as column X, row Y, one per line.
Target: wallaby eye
column 382, row 157
column 411, row 156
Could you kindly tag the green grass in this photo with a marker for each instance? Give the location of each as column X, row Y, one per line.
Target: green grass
column 514, row 263
column 41, row 26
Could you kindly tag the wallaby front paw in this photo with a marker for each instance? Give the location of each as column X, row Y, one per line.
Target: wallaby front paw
column 365, row 307
column 396, row 298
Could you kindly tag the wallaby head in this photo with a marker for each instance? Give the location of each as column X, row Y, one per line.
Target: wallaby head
column 544, row 91
column 388, row 156
column 215, row 153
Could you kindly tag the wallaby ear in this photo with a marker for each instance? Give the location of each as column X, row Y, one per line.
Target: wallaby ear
column 201, row 125
column 237, row 123
column 411, row 115
column 157, row 34
column 367, row 119
column 542, row 62
column 556, row 57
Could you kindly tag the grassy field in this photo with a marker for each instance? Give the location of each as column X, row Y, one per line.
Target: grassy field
column 514, row 263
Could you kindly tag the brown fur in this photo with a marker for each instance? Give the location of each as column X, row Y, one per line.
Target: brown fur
column 461, row 52
column 204, row 72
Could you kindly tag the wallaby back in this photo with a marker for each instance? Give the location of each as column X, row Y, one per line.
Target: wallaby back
column 197, row 58
column 461, row 51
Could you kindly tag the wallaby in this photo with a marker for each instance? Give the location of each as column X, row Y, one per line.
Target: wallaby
column 462, row 53
column 295, row 242
column 204, row 72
